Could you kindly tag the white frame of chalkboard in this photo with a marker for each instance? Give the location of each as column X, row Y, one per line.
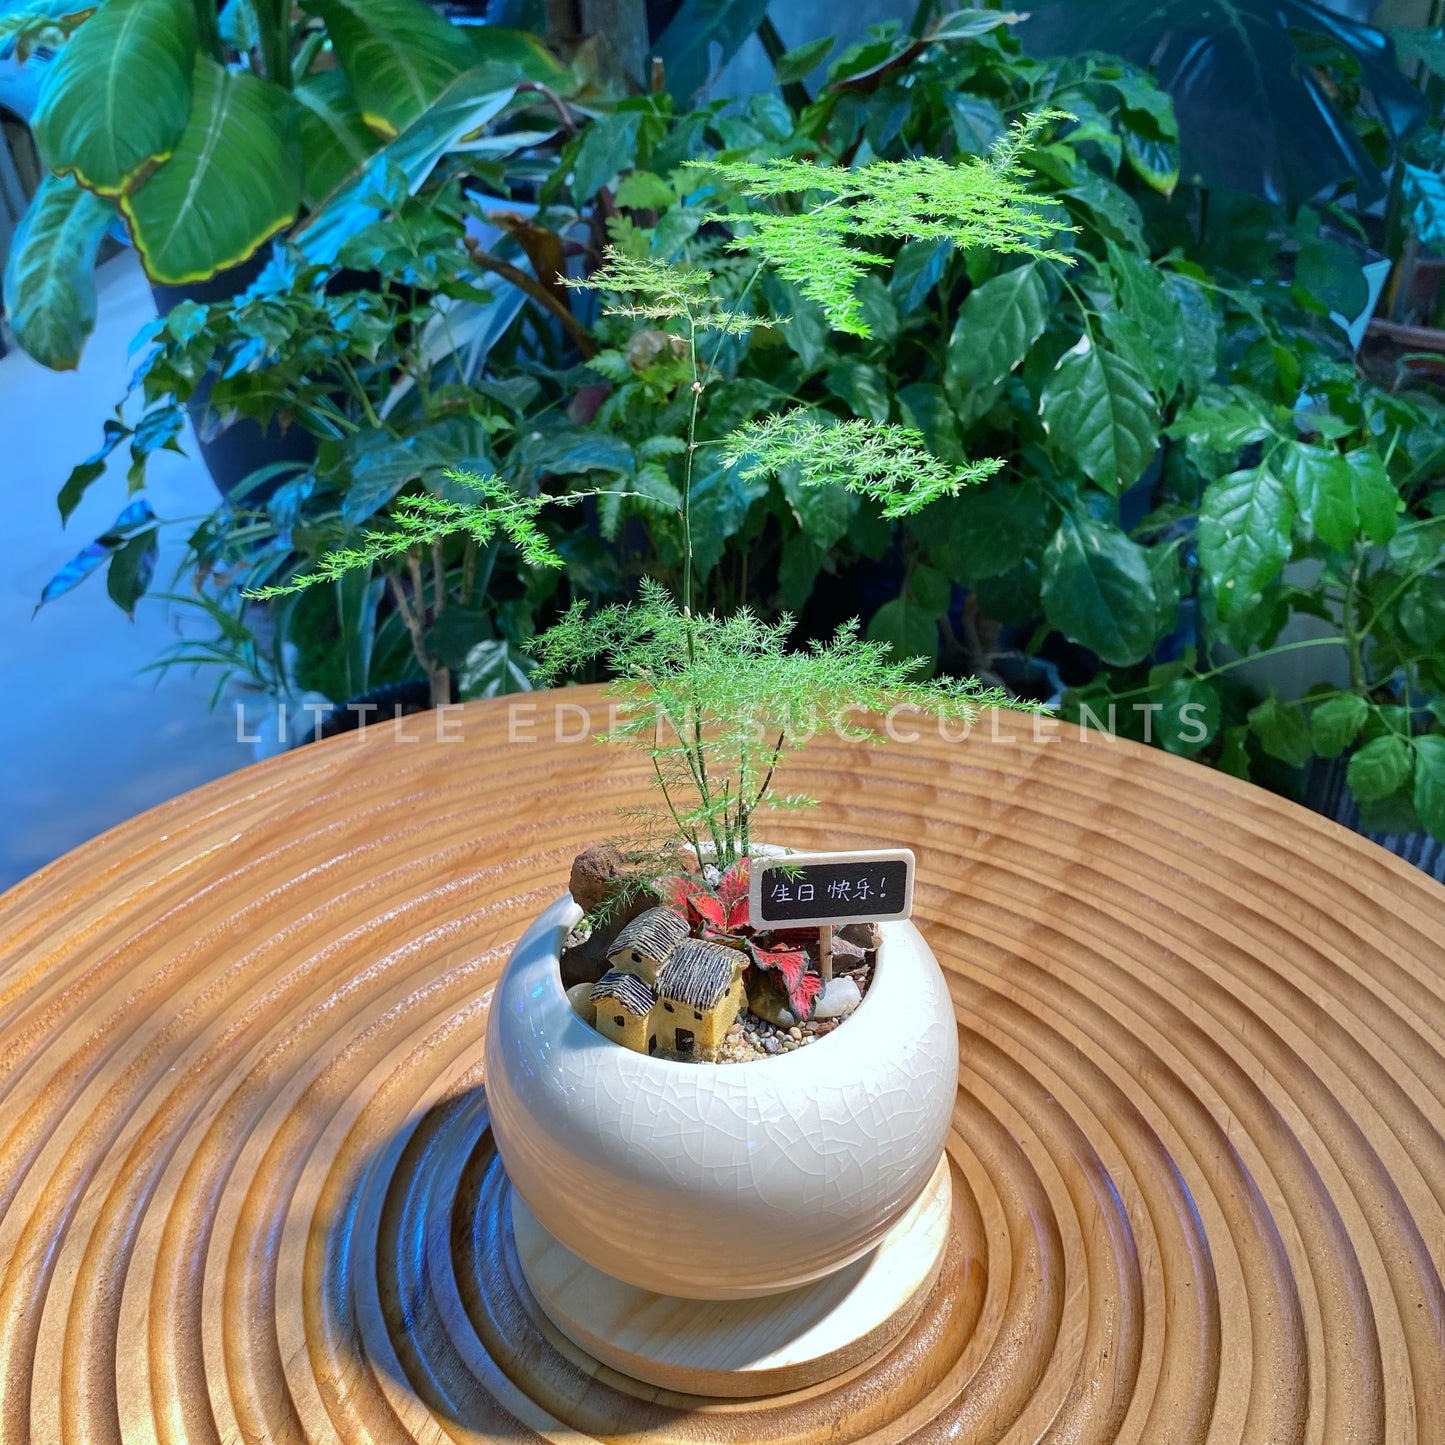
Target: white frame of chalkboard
column 760, row 866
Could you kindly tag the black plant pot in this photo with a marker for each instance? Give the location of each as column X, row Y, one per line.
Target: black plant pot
column 1327, row 793
column 245, row 446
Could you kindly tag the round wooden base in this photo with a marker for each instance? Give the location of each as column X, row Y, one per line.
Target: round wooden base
column 741, row 1348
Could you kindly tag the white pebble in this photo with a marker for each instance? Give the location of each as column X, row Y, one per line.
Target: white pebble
column 840, row 996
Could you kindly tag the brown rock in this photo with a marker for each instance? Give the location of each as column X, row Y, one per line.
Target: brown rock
column 597, row 872
column 865, row 935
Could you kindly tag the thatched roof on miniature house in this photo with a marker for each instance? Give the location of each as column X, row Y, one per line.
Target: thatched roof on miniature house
column 626, row 989
column 653, row 934
column 699, row 973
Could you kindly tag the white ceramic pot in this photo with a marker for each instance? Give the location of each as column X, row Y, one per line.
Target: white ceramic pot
column 721, row 1181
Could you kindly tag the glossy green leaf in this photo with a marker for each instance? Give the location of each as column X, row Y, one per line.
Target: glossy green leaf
column 1234, row 754
column 1188, row 717
column 90, row 470
column 823, row 513
column 1426, row 192
column 233, row 181
column 335, row 140
column 720, row 502
column 969, row 24
column 1280, row 728
column 1149, row 315
column 1319, row 479
column 50, row 272
column 686, row 46
column 607, row 146
column 916, row 270
column 1330, row 272
column 1244, row 536
column 118, row 97
column 1223, row 422
column 403, row 165
column 1155, row 162
column 515, row 47
column 926, row 409
column 1336, row 723
column 1199, row 332
column 1098, row 590
column 800, row 62
column 798, row 568
column 400, row 56
column 1422, row 612
column 1099, row 412
column 136, row 519
column 644, row 191
column 1379, row 768
column 1106, row 208
column 1429, row 796
column 929, row 588
column 131, row 569
column 987, row 530
column 977, row 123
column 1419, row 43
column 494, row 668
column 909, row 630
column 1377, row 503
column 996, row 327
column 862, row 387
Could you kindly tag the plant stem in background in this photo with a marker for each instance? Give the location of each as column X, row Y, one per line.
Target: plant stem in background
column 273, row 25
column 208, row 30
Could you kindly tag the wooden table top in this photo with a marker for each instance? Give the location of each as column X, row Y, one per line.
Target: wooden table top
column 247, row 1189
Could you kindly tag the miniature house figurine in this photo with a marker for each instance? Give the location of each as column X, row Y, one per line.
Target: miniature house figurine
column 699, row 995
column 624, row 1005
column 643, row 946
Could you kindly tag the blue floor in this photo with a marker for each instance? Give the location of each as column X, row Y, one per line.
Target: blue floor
column 86, row 739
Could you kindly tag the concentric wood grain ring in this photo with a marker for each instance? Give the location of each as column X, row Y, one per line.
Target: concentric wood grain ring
column 248, row 1191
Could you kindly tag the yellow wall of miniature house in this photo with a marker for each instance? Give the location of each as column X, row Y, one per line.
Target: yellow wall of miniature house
column 709, row 1026
column 635, row 962
column 622, row 1026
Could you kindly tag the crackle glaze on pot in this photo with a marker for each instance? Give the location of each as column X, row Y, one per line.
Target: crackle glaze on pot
column 721, row 1181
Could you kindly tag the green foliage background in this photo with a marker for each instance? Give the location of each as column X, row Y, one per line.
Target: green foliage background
column 1180, row 419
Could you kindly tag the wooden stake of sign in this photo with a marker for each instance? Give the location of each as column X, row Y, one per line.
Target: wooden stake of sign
column 825, row 952
column 826, row 890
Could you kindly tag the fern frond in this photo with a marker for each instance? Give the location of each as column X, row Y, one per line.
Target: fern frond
column 977, row 202
column 658, row 289
column 418, row 521
column 877, row 459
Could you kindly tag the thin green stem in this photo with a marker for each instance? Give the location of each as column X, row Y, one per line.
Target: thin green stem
column 208, row 30
column 1229, row 666
column 1353, row 639
column 359, row 391
column 273, row 21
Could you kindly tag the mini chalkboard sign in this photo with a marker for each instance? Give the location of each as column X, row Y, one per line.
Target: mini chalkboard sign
column 806, row 890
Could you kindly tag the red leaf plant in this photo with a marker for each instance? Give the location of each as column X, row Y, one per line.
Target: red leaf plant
column 721, row 912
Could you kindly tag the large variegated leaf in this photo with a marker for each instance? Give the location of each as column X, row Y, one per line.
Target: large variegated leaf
column 334, row 138
column 400, row 55
column 400, row 168
column 118, row 97
column 49, row 281
column 234, row 180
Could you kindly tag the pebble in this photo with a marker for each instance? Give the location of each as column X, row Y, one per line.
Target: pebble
column 840, row 996
column 795, row 1032
column 580, row 997
column 771, row 1045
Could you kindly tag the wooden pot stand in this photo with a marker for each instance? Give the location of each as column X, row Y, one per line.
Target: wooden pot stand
column 747, row 1347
